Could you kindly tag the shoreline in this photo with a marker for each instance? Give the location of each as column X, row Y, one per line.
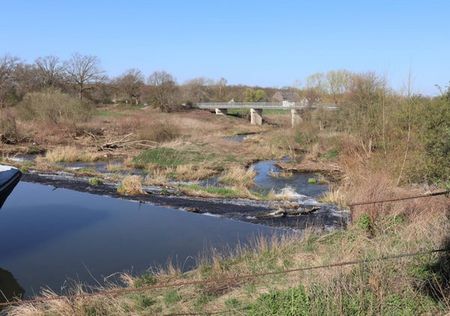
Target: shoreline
column 321, row 217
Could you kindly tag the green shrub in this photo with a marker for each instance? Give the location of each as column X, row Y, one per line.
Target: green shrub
column 145, row 279
column 171, row 297
column 53, row 106
column 95, row 181
column 364, row 222
column 436, row 140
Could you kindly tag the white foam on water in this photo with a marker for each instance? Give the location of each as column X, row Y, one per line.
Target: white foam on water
column 6, row 168
column 288, row 193
column 212, row 215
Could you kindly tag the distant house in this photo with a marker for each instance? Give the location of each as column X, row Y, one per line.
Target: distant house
column 289, row 97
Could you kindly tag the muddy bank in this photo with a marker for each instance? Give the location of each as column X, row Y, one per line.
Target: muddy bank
column 307, row 213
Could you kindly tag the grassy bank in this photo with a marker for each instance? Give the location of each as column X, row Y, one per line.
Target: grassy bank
column 377, row 146
column 406, row 286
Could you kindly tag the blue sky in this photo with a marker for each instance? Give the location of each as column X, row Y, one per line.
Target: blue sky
column 268, row 43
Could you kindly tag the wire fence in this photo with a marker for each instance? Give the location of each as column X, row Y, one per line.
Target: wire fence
column 447, row 192
column 242, row 277
column 238, row 278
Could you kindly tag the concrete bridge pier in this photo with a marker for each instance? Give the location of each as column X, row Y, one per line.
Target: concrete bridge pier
column 296, row 119
column 221, row 111
column 256, row 117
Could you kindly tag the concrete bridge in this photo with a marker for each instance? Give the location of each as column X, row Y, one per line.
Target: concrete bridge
column 256, row 109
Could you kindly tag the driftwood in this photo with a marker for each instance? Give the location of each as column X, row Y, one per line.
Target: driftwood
column 289, row 212
column 125, row 142
column 9, row 140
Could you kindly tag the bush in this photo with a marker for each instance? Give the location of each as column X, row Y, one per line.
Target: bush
column 95, row 181
column 436, row 139
column 8, row 128
column 53, row 106
column 159, row 132
column 131, row 185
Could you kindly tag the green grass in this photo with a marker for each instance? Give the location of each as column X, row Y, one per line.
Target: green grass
column 219, row 191
column 95, row 181
column 317, row 300
column 331, row 154
column 171, row 297
column 168, row 157
column 145, row 280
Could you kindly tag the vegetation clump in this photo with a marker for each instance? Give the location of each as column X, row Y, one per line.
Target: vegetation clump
column 69, row 154
column 238, row 176
column 95, row 181
column 53, row 106
column 167, row 157
column 131, row 185
column 159, row 132
column 8, row 128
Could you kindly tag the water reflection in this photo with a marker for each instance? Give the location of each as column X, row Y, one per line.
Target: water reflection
column 50, row 236
column 9, row 287
column 9, row 177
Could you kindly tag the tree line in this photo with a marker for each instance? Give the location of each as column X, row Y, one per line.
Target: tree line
column 83, row 77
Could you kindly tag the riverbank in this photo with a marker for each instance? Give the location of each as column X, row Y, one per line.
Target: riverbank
column 410, row 285
column 215, row 172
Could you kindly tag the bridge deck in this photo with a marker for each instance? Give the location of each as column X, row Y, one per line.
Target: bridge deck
column 248, row 105
column 257, row 105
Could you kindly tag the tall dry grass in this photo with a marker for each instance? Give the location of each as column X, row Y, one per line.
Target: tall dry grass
column 238, row 176
column 191, row 172
column 8, row 127
column 53, row 106
column 131, row 185
column 70, row 154
column 159, row 131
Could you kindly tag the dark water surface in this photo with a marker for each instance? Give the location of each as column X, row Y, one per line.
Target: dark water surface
column 48, row 236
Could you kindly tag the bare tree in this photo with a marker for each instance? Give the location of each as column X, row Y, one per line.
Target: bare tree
column 195, row 90
column 164, row 90
column 83, row 71
column 8, row 65
column 50, row 71
column 221, row 89
column 338, row 82
column 129, row 85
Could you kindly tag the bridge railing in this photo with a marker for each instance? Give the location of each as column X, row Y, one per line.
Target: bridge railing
column 261, row 105
column 249, row 105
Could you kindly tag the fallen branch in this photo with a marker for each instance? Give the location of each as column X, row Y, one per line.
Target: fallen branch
column 124, row 143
